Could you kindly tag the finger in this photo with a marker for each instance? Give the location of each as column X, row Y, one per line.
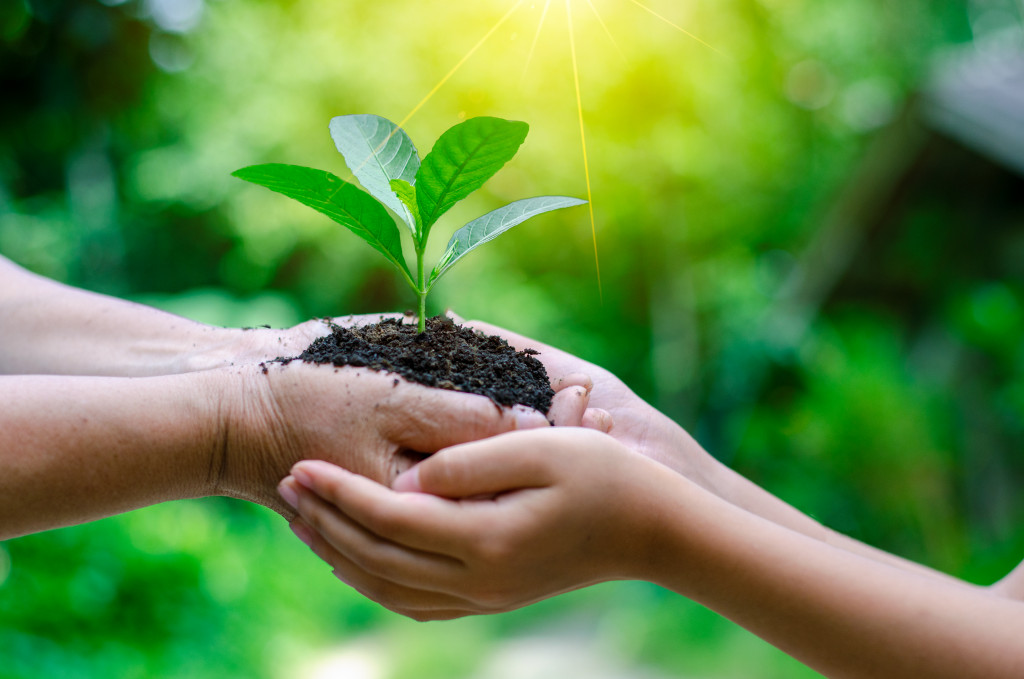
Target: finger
column 426, row 420
column 357, row 513
column 597, row 418
column 507, row 462
column 455, row 317
column 572, row 380
column 568, row 407
column 413, row 602
column 376, row 555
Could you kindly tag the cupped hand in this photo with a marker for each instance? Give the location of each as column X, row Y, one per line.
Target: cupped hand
column 373, row 423
column 637, row 425
column 484, row 527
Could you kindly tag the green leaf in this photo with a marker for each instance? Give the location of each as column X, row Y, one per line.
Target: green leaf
column 463, row 158
column 406, row 193
column 339, row 200
column 377, row 151
column 495, row 223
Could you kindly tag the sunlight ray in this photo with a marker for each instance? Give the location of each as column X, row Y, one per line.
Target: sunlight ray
column 604, row 26
column 439, row 85
column 675, row 26
column 583, row 141
column 536, row 37
column 462, row 61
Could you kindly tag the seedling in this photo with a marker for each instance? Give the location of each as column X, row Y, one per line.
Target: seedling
column 384, row 160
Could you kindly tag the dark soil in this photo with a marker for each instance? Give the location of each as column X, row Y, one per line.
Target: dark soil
column 446, row 355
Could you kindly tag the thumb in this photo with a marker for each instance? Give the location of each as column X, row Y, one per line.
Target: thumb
column 426, row 420
column 499, row 464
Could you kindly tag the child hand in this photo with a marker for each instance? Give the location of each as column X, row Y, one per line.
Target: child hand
column 508, row 521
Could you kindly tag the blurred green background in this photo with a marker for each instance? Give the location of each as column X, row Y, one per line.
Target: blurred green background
column 885, row 396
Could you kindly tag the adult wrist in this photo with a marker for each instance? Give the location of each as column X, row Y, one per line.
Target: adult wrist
column 247, row 457
column 223, row 389
column 209, row 399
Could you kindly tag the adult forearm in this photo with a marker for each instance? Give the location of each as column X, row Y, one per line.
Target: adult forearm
column 50, row 328
column 74, row 449
column 841, row 613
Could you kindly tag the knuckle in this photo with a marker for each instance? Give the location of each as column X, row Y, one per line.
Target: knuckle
column 375, row 517
column 374, row 562
column 313, row 515
column 445, row 471
column 329, row 488
column 384, row 520
column 493, row 551
column 448, row 472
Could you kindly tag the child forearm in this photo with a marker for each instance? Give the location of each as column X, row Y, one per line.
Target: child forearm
column 841, row 613
column 747, row 495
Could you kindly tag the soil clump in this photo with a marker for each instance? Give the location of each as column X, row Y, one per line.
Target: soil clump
column 445, row 355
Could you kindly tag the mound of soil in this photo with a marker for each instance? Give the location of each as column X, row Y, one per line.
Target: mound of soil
column 446, row 355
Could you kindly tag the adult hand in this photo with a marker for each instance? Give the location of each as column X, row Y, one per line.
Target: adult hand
column 564, row 508
column 373, row 423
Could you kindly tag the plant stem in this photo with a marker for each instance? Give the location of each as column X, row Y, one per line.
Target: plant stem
column 421, row 292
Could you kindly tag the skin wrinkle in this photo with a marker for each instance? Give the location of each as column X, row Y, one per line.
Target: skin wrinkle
column 219, row 453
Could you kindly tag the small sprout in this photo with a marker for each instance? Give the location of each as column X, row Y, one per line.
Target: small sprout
column 384, row 160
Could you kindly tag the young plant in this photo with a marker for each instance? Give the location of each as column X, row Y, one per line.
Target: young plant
column 384, row 160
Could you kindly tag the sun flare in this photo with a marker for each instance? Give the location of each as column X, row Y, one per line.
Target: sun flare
column 570, row 39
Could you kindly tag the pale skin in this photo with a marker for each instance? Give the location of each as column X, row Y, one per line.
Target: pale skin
column 55, row 329
column 110, row 406
column 494, row 525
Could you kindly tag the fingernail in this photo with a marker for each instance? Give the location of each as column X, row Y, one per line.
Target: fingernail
column 302, row 533
column 304, row 471
column 303, row 477
column 528, row 418
column 408, row 481
column 286, row 489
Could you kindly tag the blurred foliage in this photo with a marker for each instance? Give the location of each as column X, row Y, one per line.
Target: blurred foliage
column 897, row 417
